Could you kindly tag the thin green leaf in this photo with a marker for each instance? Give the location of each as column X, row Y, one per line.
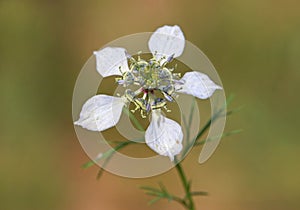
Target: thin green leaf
column 107, row 154
column 187, row 126
column 101, row 170
column 229, row 99
column 159, row 194
column 233, row 111
column 133, row 118
column 162, row 193
column 154, row 200
column 217, row 137
column 199, row 193
column 163, row 188
column 208, row 124
column 150, row 189
column 192, row 112
column 88, row 164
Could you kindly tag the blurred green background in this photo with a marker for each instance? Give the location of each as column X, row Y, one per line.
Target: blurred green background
column 254, row 45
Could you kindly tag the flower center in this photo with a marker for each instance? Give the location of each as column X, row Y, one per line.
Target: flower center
column 152, row 77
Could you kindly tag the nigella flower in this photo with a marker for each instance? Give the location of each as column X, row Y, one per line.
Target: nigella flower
column 163, row 135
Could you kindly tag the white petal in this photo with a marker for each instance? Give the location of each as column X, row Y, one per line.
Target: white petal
column 100, row 112
column 164, row 135
column 166, row 41
column 110, row 59
column 198, row 85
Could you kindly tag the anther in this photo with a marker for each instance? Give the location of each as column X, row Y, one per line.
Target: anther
column 170, row 58
column 168, row 110
column 128, row 56
column 167, row 96
column 136, row 108
column 142, row 114
column 148, row 107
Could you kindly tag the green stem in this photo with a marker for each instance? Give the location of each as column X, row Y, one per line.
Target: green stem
column 188, row 195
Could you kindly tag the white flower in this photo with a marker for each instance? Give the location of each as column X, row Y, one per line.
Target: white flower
column 100, row 112
column 163, row 135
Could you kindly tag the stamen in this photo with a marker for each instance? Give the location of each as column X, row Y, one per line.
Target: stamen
column 142, row 114
column 136, row 108
column 145, row 95
column 121, row 82
column 128, row 56
column 151, row 76
column 168, row 97
column 168, row 110
column 170, row 58
column 120, row 69
column 148, row 106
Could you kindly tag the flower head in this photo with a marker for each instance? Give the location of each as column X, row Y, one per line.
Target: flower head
column 156, row 84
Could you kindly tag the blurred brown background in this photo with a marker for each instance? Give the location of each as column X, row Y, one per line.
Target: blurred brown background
column 254, row 45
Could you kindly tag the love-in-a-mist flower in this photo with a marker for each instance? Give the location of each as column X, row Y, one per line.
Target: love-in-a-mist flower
column 156, row 84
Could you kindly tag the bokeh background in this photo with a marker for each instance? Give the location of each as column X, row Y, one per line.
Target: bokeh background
column 254, row 45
